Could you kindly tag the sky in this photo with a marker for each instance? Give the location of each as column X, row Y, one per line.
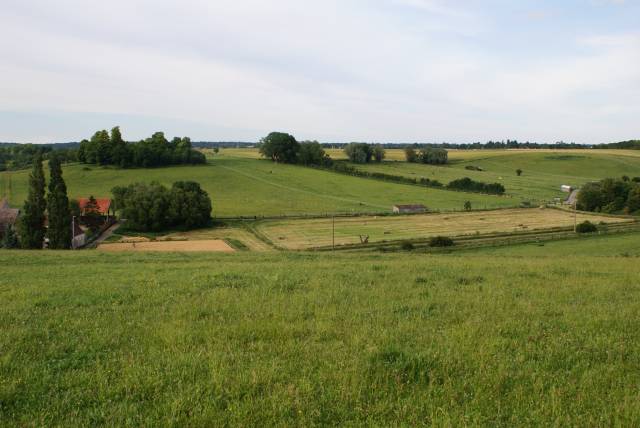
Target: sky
column 328, row 70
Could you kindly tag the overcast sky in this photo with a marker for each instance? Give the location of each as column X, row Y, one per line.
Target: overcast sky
column 332, row 70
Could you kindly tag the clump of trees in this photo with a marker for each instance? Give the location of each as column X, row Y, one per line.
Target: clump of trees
column 345, row 168
column 610, row 196
column 468, row 185
column 284, row 148
column 431, row 156
column 364, row 153
column 32, row 228
column 110, row 149
column 153, row 207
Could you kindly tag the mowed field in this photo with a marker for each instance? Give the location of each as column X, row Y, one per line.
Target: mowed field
column 248, row 339
column 249, row 187
column 213, row 245
column 310, row 233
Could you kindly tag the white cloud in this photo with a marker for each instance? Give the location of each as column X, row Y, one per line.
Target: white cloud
column 334, row 70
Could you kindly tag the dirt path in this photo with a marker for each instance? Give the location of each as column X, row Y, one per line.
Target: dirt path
column 107, row 233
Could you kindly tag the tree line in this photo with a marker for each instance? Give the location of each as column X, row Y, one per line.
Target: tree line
column 111, row 149
column 611, row 195
column 21, row 156
column 153, row 207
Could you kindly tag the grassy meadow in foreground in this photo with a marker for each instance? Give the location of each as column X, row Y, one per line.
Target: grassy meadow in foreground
column 309, row 339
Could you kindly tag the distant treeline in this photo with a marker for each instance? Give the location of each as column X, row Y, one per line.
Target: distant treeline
column 21, row 156
column 105, row 149
column 631, row 144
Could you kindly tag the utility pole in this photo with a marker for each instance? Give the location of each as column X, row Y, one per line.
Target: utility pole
column 333, row 234
column 575, row 216
column 73, row 231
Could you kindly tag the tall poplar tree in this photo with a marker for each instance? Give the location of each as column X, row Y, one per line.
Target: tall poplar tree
column 58, row 206
column 32, row 228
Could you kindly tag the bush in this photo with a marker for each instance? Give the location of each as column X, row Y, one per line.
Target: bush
column 441, row 241
column 586, row 227
column 406, row 246
column 470, row 185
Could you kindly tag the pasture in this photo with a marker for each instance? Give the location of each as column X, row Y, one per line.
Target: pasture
column 310, row 233
column 92, row 338
column 250, row 187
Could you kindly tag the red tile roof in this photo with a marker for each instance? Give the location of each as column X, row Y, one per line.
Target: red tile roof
column 103, row 204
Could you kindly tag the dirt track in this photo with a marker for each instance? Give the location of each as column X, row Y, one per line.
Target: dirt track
column 169, row 246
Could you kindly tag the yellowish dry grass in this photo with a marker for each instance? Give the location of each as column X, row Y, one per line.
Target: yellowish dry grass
column 305, row 234
column 170, row 246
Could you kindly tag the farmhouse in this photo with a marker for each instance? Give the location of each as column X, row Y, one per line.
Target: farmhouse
column 409, row 209
column 102, row 207
column 8, row 216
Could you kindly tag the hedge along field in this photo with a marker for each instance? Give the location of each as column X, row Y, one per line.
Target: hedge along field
column 249, row 187
column 309, row 233
column 308, row 339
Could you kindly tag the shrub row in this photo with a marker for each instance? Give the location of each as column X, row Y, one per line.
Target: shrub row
column 468, row 185
column 344, row 168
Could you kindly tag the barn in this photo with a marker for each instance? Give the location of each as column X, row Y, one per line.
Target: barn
column 409, row 209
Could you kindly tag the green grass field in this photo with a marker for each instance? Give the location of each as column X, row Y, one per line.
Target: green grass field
column 544, row 171
column 248, row 187
column 311, row 339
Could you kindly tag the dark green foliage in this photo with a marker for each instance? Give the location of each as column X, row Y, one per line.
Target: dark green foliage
column 406, row 246
column 410, row 155
column 469, row 185
column 59, row 231
column 467, row 206
column 519, row 172
column 345, row 168
column 441, row 241
column 32, row 228
column 586, row 227
column 280, row 147
column 378, row 153
column 473, row 168
column 189, row 205
column 105, row 149
column 153, row 207
column 74, row 208
column 610, row 196
column 359, row 152
column 433, row 156
column 21, row 156
column 312, row 153
column 9, row 239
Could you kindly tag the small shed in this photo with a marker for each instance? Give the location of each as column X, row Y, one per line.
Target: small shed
column 409, row 209
column 566, row 188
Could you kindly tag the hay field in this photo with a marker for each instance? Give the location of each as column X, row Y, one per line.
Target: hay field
column 214, row 245
column 306, row 234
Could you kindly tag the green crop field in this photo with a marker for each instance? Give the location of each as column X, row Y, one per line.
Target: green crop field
column 239, row 186
column 311, row 339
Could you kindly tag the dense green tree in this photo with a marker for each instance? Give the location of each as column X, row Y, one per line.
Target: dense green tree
column 32, row 228
column 312, row 153
column 280, row 147
column 519, row 172
column 633, row 200
column 189, row 205
column 59, row 231
column 434, row 156
column 467, row 206
column 9, row 239
column 359, row 152
column 411, row 155
column 590, row 197
column 378, row 153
